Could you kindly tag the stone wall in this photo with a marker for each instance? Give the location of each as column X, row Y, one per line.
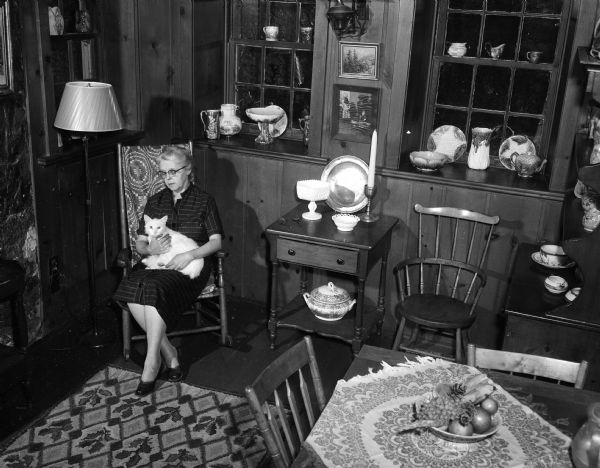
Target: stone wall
column 18, row 232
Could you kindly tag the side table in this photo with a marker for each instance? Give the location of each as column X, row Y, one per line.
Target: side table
column 532, row 325
column 318, row 244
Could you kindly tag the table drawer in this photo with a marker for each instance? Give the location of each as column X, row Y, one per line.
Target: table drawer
column 319, row 256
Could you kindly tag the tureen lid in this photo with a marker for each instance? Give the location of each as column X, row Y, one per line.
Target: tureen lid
column 330, row 293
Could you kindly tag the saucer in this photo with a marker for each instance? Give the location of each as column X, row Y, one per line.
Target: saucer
column 536, row 257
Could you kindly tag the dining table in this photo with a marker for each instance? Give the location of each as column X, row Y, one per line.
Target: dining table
column 363, row 423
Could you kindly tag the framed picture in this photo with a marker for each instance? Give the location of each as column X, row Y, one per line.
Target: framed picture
column 354, row 112
column 5, row 49
column 359, row 60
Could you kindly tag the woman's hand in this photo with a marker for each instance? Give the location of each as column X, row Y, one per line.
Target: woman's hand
column 159, row 245
column 180, row 261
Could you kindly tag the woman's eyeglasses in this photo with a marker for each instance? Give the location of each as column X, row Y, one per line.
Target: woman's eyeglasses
column 170, row 172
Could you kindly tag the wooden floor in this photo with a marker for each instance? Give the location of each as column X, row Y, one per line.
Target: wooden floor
column 59, row 364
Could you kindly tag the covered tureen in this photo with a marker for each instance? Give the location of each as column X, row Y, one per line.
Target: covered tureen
column 328, row 302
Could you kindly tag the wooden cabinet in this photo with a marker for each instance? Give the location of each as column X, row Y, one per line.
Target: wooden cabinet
column 60, row 202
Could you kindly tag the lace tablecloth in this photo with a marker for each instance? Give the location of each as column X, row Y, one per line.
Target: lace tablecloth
column 360, row 424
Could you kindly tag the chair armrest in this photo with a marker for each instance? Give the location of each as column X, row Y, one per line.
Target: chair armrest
column 221, row 254
column 124, row 259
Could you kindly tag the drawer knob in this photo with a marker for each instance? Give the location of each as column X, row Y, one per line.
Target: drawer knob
column 340, row 261
column 291, row 252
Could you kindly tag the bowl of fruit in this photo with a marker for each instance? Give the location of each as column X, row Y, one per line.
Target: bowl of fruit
column 460, row 412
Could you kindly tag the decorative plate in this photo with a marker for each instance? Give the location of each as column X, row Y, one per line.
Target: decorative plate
column 496, row 422
column 347, row 177
column 515, row 144
column 537, row 258
column 278, row 128
column 449, row 140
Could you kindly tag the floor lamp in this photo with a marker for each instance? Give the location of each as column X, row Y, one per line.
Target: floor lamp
column 86, row 108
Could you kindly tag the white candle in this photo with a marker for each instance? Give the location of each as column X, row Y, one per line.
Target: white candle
column 372, row 160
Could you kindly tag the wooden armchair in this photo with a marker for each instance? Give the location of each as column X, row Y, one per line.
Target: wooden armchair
column 138, row 180
column 281, row 399
column 440, row 287
column 528, row 364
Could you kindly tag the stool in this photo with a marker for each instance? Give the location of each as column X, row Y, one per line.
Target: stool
column 12, row 285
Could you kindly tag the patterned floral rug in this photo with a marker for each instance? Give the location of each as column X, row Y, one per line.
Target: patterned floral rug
column 106, row 425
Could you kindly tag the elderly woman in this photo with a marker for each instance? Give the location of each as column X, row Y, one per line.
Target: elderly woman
column 157, row 298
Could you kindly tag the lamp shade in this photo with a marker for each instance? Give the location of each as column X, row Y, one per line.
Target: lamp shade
column 88, row 106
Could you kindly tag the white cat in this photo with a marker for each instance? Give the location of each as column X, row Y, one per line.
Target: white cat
column 179, row 244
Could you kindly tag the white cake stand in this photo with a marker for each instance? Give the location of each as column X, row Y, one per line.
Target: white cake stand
column 312, row 190
column 264, row 116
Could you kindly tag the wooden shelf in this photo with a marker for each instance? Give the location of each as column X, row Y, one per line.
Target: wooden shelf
column 73, row 37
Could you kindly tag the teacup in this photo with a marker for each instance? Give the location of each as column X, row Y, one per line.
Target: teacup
column 553, row 255
column 534, row 56
column 555, row 284
column 271, row 32
column 572, row 294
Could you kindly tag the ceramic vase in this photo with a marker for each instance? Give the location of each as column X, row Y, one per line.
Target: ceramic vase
column 479, row 153
column 229, row 124
column 56, row 22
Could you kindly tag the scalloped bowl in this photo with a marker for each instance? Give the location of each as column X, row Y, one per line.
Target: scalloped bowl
column 428, row 161
column 345, row 221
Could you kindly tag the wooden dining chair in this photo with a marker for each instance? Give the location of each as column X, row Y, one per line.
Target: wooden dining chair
column 440, row 287
column 282, row 399
column 528, row 364
column 138, row 180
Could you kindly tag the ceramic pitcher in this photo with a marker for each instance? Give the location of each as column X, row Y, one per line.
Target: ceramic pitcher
column 479, row 153
column 210, row 120
column 304, row 123
column 229, row 123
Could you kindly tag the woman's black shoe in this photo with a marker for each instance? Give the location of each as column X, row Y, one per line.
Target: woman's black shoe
column 175, row 374
column 145, row 388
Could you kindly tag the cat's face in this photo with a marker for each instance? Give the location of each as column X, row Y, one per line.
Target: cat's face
column 155, row 227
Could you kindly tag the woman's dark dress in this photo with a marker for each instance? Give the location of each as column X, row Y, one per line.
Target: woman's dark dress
column 171, row 292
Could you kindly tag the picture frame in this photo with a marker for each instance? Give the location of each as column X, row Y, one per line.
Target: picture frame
column 359, row 60
column 6, row 81
column 355, row 112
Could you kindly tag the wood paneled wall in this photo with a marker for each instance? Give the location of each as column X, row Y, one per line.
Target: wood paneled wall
column 253, row 191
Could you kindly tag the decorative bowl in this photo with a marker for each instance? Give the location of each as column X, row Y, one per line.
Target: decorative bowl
column 428, row 161
column 345, row 221
column 269, row 114
column 312, row 190
column 555, row 284
column 329, row 302
column 443, row 434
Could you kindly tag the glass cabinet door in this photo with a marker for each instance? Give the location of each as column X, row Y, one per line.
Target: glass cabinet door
column 271, row 56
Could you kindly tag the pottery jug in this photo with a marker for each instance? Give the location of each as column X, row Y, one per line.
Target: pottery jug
column 304, row 123
column 585, row 446
column 229, row 124
column 210, row 120
column 457, row 49
column 494, row 52
column 527, row 164
column 56, row 22
column 479, row 153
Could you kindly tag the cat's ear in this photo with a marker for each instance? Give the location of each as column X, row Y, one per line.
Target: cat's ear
column 147, row 218
column 164, row 219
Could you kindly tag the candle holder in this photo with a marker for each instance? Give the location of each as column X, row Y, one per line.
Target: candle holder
column 367, row 216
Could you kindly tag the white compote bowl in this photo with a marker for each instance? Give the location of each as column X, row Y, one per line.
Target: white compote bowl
column 264, row 116
column 312, row 190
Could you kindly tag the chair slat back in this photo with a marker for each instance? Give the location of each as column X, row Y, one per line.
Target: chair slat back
column 458, row 234
column 282, row 401
column 138, row 173
column 529, row 364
